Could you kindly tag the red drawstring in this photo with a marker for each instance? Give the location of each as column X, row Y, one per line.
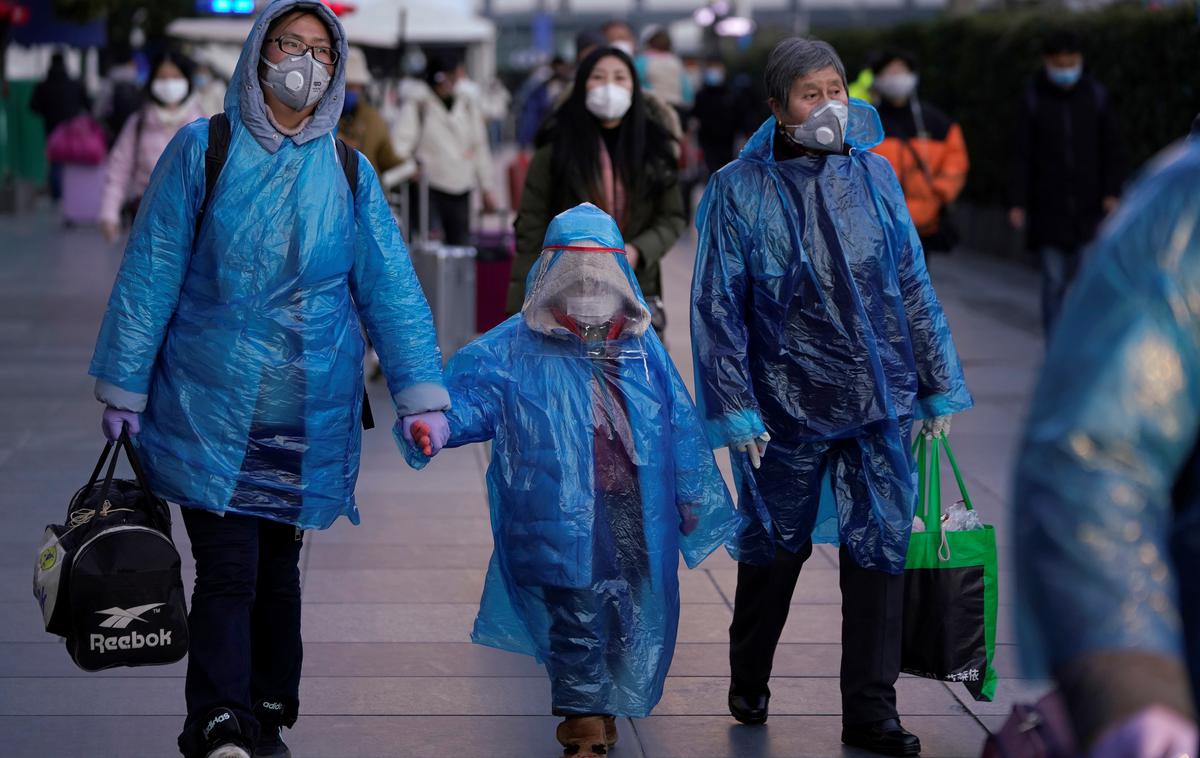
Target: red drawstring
column 577, row 249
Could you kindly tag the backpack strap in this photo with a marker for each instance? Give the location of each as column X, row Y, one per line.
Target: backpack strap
column 349, row 160
column 219, row 134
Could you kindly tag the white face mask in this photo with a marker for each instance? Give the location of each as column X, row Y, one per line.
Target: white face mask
column 624, row 46
column 594, row 310
column 896, row 86
column 609, row 102
column 170, row 91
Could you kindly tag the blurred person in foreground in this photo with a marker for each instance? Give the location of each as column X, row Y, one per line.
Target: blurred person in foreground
column 232, row 349
column 170, row 104
column 602, row 147
column 442, row 127
column 924, row 146
column 818, row 342
column 1107, row 496
column 1066, row 168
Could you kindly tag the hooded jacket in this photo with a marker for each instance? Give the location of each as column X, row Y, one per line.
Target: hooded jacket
column 252, row 320
column 813, row 316
column 581, row 429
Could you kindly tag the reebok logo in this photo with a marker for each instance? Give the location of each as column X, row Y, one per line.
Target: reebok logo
column 218, row 719
column 119, row 618
column 133, row 641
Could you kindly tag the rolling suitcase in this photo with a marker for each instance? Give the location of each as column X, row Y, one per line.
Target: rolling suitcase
column 494, row 251
column 82, row 187
column 447, row 275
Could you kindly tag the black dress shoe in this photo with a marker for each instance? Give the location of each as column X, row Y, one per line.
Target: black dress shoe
column 749, row 710
column 883, row 737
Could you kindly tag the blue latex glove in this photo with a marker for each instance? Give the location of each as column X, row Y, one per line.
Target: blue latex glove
column 115, row 418
column 428, row 431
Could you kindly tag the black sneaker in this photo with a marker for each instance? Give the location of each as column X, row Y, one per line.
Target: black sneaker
column 270, row 744
column 222, row 735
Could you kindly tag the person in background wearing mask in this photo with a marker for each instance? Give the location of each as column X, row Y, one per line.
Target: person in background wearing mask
column 718, row 105
column 602, row 147
column 122, row 94
column 542, row 95
column 816, row 329
column 444, row 131
column 232, row 348
column 662, row 72
column 1067, row 166
column 58, row 98
column 209, row 89
column 619, row 34
column 361, row 126
column 169, row 107
column 924, row 146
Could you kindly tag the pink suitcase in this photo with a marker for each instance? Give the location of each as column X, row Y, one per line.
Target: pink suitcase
column 82, row 187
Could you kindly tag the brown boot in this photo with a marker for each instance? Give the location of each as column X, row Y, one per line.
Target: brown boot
column 610, row 731
column 583, row 737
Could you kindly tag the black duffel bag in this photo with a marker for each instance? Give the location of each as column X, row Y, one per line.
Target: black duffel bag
column 108, row 579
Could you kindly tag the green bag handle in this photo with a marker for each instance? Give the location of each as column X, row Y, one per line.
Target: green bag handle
column 929, row 484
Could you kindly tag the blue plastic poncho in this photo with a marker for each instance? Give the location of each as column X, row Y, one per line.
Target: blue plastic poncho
column 813, row 318
column 598, row 460
column 1107, row 495
column 243, row 343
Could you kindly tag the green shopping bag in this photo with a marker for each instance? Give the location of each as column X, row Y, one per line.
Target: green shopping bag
column 950, row 592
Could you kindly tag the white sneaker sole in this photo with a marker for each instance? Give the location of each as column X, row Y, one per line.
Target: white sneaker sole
column 228, row 751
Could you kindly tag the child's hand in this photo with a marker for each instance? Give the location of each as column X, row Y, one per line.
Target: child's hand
column 428, row 431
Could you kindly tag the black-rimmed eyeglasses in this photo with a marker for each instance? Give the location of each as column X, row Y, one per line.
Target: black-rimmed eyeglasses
column 295, row 47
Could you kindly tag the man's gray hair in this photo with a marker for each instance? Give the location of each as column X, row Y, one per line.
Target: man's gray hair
column 796, row 57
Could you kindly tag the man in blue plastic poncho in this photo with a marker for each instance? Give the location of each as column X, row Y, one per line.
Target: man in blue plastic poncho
column 815, row 328
column 599, row 479
column 233, row 342
column 1107, row 497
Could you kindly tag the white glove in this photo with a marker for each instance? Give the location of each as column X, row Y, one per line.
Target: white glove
column 935, row 427
column 1154, row 732
column 755, row 448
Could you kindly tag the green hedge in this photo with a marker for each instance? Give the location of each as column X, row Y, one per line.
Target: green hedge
column 977, row 67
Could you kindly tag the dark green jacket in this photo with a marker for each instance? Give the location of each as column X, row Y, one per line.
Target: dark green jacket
column 653, row 223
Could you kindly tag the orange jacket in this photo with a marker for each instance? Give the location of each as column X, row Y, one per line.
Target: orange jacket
column 938, row 176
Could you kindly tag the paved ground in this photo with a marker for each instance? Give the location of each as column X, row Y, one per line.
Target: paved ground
column 389, row 605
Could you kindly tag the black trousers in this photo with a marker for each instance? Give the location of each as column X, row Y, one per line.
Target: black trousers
column 453, row 214
column 872, row 618
column 244, row 624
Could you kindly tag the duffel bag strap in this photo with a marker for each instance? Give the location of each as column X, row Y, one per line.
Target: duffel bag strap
column 108, row 446
column 135, row 463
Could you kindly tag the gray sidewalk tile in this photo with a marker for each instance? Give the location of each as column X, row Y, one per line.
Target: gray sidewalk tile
column 696, row 695
column 795, row 737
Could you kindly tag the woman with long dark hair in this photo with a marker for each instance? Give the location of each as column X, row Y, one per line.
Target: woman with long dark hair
column 601, row 147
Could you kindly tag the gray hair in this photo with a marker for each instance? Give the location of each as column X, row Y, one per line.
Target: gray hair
column 796, row 57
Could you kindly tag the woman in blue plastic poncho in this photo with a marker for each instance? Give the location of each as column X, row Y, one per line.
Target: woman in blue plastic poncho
column 1107, row 496
column 599, row 478
column 232, row 340
column 815, row 328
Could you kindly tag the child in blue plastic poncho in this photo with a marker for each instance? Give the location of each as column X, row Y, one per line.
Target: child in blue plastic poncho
column 600, row 475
